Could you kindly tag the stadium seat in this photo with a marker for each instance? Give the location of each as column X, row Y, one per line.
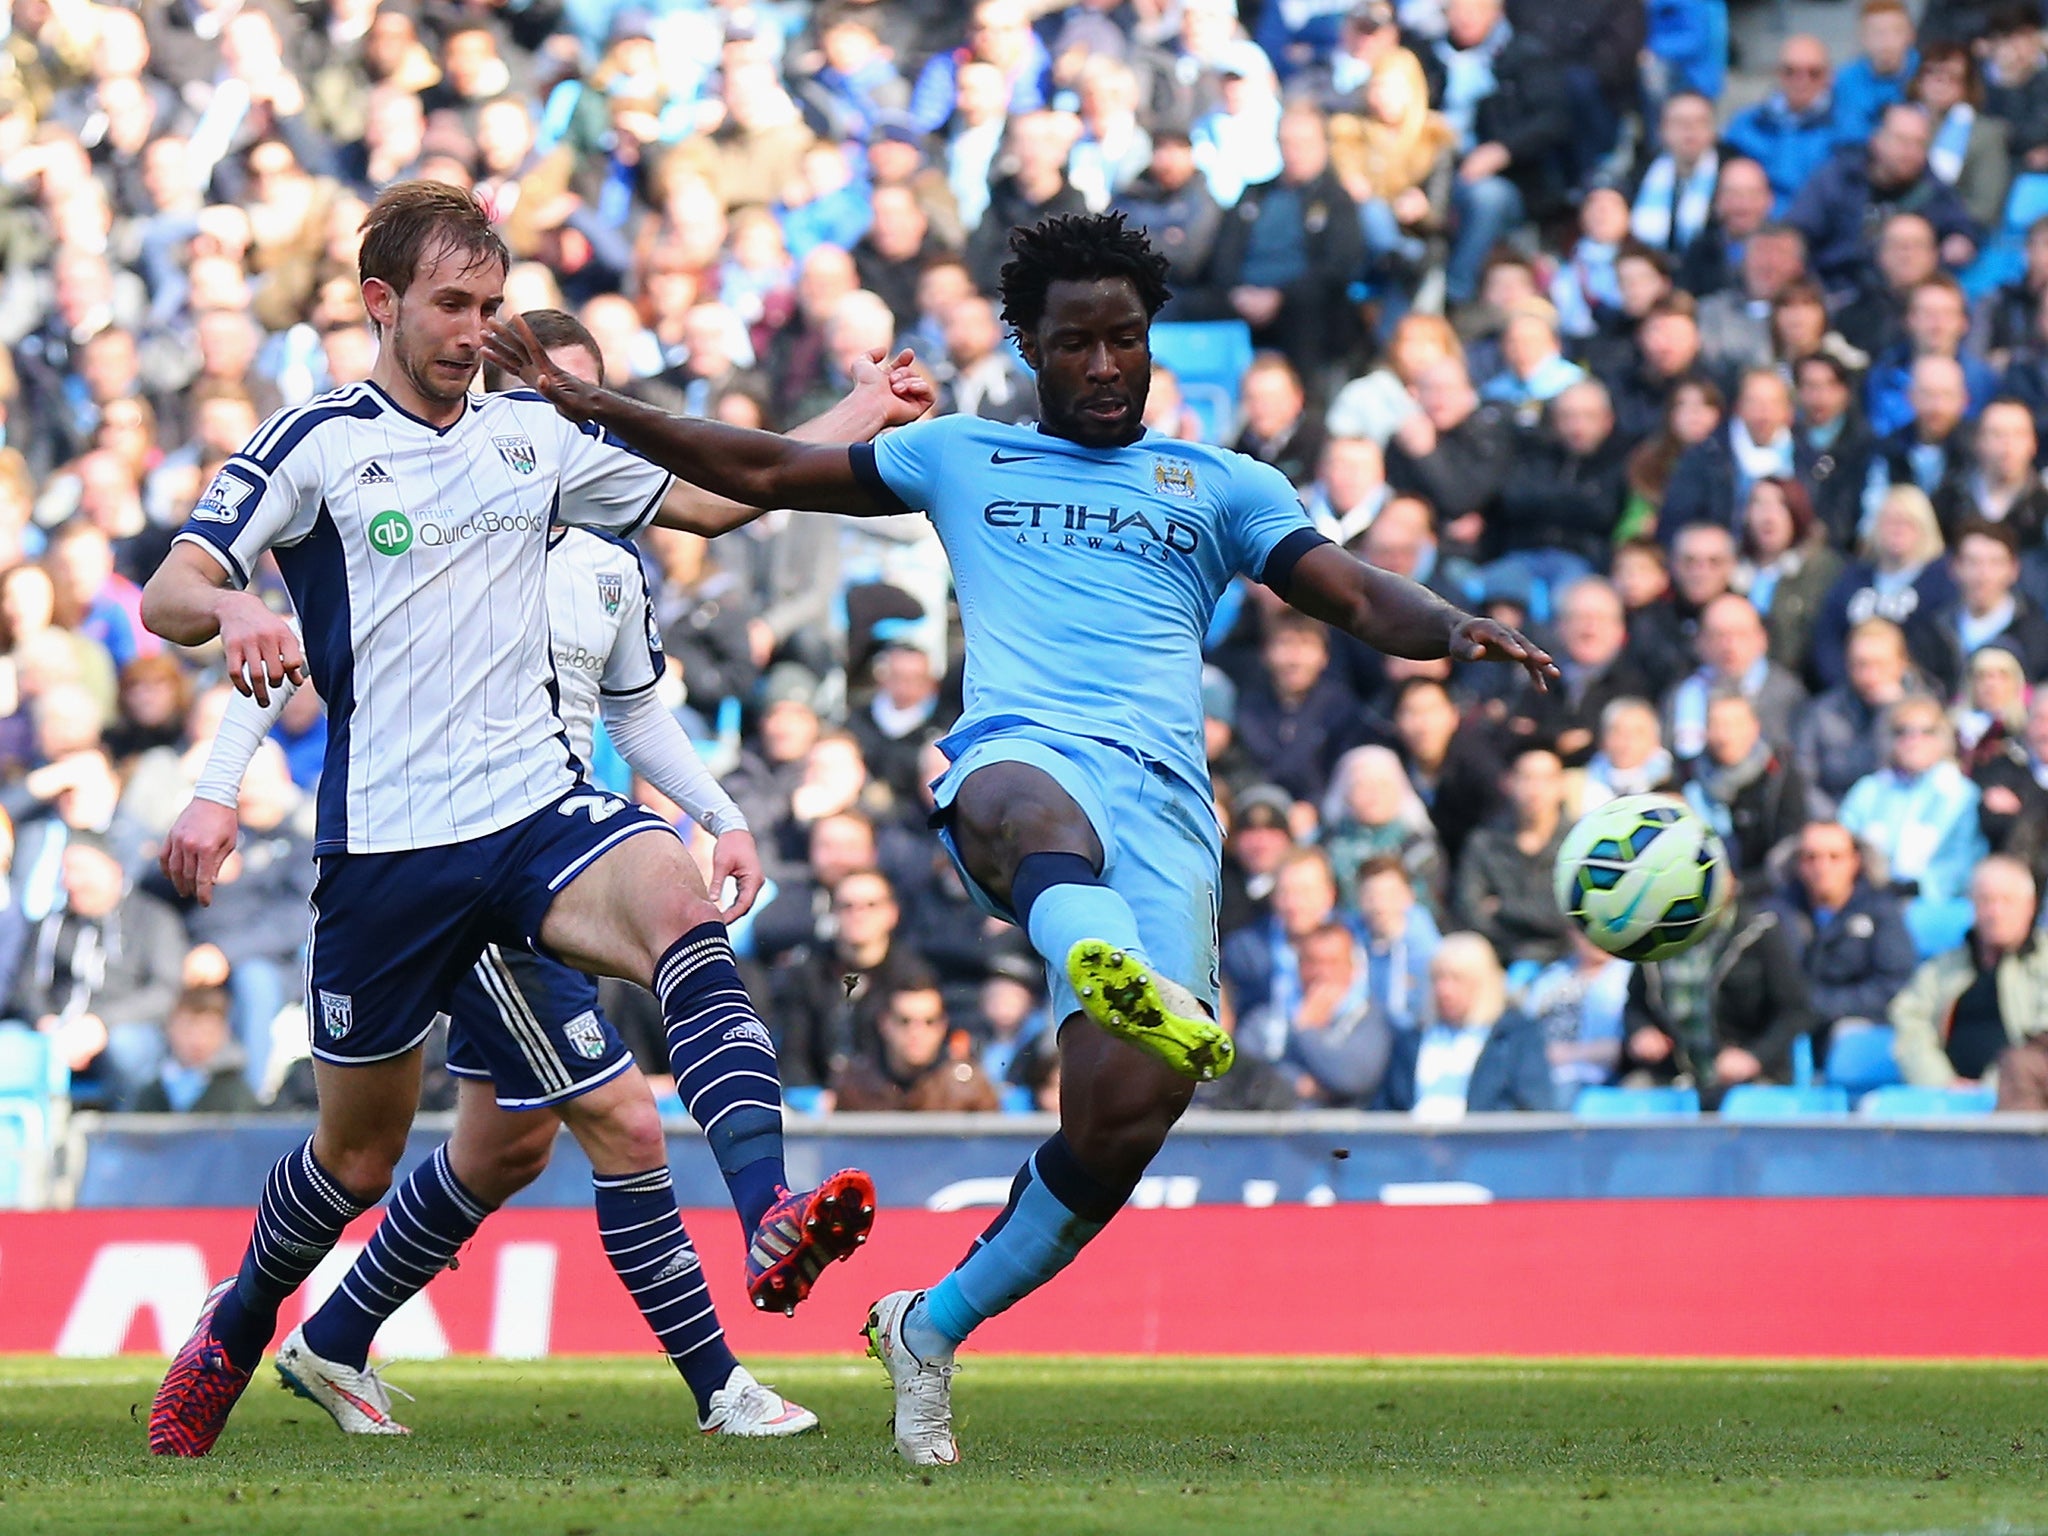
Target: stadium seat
column 24, row 1154
column 804, row 1101
column 1904, row 1102
column 1208, row 357
column 25, row 1065
column 1763, row 1101
column 1860, row 1060
column 1636, row 1103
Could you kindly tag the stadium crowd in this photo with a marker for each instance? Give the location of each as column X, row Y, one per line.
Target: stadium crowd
column 1743, row 411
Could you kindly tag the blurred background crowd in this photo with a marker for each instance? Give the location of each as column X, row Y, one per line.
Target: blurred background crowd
column 1731, row 385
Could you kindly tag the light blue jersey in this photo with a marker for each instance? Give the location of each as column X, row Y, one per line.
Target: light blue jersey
column 1087, row 576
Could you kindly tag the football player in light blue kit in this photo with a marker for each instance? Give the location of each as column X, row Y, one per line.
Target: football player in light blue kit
column 1088, row 555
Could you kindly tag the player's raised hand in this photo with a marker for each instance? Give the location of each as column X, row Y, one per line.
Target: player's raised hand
column 199, row 843
column 510, row 344
column 1489, row 640
column 736, row 856
column 900, row 391
column 263, row 650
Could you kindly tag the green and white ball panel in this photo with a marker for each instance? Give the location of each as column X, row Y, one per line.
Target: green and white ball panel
column 1642, row 876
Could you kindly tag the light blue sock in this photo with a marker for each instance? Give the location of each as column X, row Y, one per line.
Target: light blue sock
column 1059, row 916
column 1034, row 1238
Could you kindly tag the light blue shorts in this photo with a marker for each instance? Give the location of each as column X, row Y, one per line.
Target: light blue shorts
column 1162, row 847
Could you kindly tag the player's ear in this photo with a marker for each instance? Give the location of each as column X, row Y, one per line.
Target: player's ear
column 1028, row 345
column 380, row 301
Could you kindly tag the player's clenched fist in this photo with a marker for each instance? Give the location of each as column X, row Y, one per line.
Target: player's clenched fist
column 263, row 650
column 198, row 844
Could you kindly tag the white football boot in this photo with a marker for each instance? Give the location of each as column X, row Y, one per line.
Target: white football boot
column 358, row 1401
column 744, row 1407
column 924, row 1389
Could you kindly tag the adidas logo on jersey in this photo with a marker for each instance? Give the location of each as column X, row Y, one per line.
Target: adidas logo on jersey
column 373, row 474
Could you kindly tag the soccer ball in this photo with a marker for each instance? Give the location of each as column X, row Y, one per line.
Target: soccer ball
column 1643, row 876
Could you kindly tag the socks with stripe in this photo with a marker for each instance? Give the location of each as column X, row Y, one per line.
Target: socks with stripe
column 645, row 1241
column 1060, row 900
column 430, row 1217
column 1056, row 1207
column 724, row 1065
column 300, row 1218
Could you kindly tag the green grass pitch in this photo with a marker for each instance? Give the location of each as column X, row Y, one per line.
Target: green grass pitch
column 1280, row 1448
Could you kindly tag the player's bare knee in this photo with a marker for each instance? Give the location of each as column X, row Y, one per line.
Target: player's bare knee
column 365, row 1171
column 518, row 1163
column 619, row 1135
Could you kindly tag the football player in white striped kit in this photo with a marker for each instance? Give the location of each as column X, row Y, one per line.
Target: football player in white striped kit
column 409, row 520
column 526, row 1034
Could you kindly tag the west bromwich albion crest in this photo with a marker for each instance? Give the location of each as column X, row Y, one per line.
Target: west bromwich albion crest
column 1174, row 477
column 611, row 587
column 337, row 1013
column 516, row 451
column 586, row 1035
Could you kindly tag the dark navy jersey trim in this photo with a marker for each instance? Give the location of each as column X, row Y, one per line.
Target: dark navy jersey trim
column 421, row 420
column 1286, row 555
column 217, row 543
column 869, row 474
column 281, row 444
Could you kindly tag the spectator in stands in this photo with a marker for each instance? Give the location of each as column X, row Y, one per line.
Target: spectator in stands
column 1993, row 709
column 103, row 968
column 1012, row 1014
column 1920, row 812
column 1666, row 356
column 1278, row 430
column 913, row 1063
column 1285, row 263
column 1901, row 575
column 1396, row 160
column 2016, row 80
column 1791, row 133
column 1937, row 325
column 1787, row 568
column 1968, row 151
column 1587, row 285
column 1723, row 1012
column 1743, row 205
column 829, row 996
column 1861, row 186
column 1261, row 966
column 156, row 695
column 1988, row 606
column 1377, row 403
column 1507, row 101
column 1674, row 201
column 1846, row 934
column 1402, row 539
column 2013, row 811
column 1577, row 1003
column 1692, row 415
column 1563, row 497
column 901, row 717
column 1839, row 737
column 1453, row 763
column 1350, row 488
column 201, row 1072
column 1592, row 655
column 1231, row 768
column 1503, row 876
column 1747, row 791
column 252, row 938
column 1475, row 1055
column 2005, row 487
column 1833, row 446
column 1735, row 322
column 1400, row 938
column 1298, row 717
column 1907, row 254
column 1332, row 1042
column 1455, row 453
column 1968, row 1006
column 1372, row 812
column 1261, row 837
column 1713, row 481
column 1879, row 76
column 1534, row 369
column 1631, row 759
column 1734, row 653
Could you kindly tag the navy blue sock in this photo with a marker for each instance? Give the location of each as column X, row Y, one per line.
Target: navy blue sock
column 300, row 1218
column 430, row 1217
column 652, row 1254
column 724, row 1065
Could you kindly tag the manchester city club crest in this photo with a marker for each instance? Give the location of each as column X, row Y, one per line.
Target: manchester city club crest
column 1174, row 477
column 516, row 451
column 611, row 587
column 585, row 1035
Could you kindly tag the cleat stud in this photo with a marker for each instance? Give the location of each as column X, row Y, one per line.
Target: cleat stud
column 1116, row 957
column 789, row 1311
column 1087, row 991
column 867, row 1210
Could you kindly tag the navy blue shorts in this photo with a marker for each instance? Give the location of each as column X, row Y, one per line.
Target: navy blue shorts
column 394, row 934
column 532, row 1029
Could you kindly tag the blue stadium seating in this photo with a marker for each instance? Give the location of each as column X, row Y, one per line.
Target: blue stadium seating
column 1636, row 1103
column 1861, row 1060
column 804, row 1101
column 1764, row 1101
column 26, row 1068
column 1209, row 357
column 1908, row 1103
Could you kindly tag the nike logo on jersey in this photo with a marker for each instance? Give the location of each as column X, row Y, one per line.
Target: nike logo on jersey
column 999, row 457
column 373, row 474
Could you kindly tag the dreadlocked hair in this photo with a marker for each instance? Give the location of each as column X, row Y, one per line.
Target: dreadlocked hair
column 1077, row 248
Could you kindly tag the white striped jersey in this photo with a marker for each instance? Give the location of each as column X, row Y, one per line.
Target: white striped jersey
column 416, row 558
column 605, row 641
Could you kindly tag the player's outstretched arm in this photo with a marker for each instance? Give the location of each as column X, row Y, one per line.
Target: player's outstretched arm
column 1403, row 618
column 756, row 469
column 203, row 836
column 886, row 393
column 189, row 601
